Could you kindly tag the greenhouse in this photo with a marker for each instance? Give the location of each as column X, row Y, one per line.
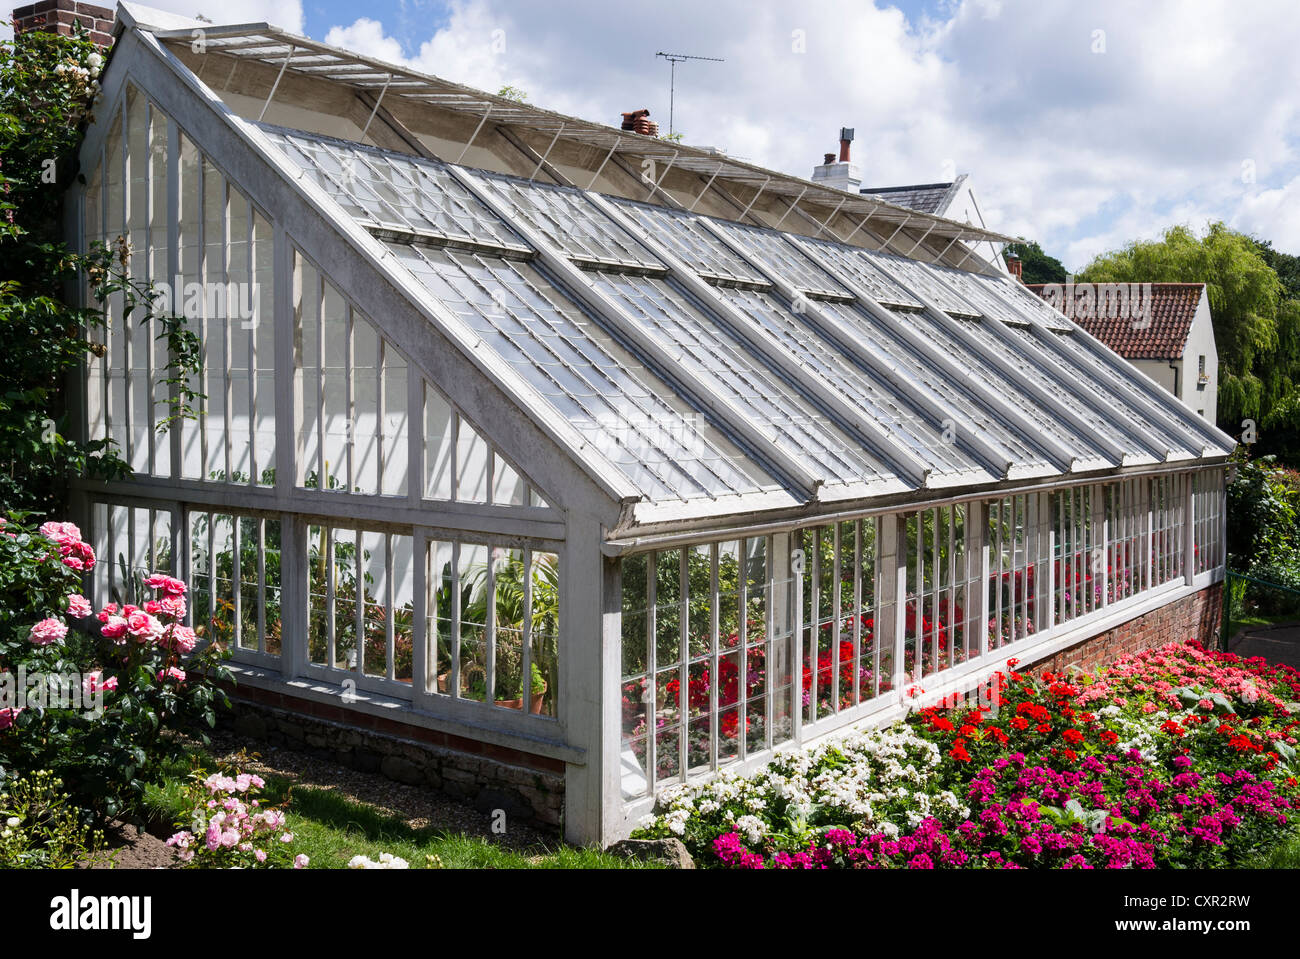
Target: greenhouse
column 627, row 460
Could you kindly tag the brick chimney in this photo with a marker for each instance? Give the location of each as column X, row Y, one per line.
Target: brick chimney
column 58, row 16
column 842, row 174
column 1015, row 267
column 638, row 121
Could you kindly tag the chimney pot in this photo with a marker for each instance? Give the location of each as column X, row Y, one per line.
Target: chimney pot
column 829, row 158
column 1015, row 267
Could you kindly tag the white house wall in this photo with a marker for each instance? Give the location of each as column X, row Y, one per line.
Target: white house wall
column 1200, row 342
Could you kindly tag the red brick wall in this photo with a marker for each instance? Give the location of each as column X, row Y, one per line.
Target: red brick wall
column 1198, row 616
column 58, row 16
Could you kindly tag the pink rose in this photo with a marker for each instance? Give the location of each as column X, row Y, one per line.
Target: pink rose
column 7, row 716
column 78, row 606
column 173, row 606
column 300, row 861
column 168, row 584
column 171, row 672
column 65, row 534
column 96, row 681
column 143, row 626
column 78, row 556
column 114, row 628
column 183, row 639
column 47, row 631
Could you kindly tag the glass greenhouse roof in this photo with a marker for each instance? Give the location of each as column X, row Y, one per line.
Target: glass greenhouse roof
column 705, row 360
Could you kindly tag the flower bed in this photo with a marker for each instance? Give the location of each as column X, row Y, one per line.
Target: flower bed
column 1173, row 757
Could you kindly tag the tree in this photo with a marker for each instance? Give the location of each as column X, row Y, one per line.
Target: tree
column 1256, row 326
column 513, row 93
column 1286, row 265
column 1037, row 266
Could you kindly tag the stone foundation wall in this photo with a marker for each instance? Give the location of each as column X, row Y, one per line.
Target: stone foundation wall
column 526, row 786
column 1199, row 616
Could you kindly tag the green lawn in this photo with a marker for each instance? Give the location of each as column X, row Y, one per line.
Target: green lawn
column 331, row 829
column 1256, row 621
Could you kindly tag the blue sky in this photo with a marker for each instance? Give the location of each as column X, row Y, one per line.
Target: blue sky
column 1083, row 126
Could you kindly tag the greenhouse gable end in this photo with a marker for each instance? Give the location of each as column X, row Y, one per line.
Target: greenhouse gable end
column 573, row 463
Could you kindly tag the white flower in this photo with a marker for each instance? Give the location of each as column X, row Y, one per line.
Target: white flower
column 12, row 821
column 752, row 827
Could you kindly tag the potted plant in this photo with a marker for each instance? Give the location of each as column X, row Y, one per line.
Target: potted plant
column 537, row 692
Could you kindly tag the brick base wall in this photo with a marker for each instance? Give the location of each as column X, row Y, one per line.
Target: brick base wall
column 1198, row 616
column 58, row 16
column 526, row 786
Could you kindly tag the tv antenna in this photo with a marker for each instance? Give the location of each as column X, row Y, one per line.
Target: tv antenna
column 674, row 59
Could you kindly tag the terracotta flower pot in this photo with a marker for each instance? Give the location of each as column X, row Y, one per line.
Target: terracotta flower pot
column 535, row 705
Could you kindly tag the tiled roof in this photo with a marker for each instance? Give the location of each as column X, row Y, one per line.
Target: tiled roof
column 923, row 197
column 1139, row 321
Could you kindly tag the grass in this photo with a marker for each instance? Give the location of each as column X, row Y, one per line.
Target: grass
column 1284, row 855
column 330, row 829
column 1256, row 621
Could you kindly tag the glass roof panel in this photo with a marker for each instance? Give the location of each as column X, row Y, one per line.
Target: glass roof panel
column 1031, row 370
column 1022, row 399
column 1190, row 427
column 692, row 243
column 934, row 385
column 565, row 217
column 391, row 189
column 776, row 252
column 848, row 261
column 1025, row 301
column 919, row 277
column 797, row 427
column 636, row 420
column 1082, row 373
column 893, row 414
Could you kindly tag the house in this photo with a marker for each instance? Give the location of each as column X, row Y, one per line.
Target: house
column 954, row 199
column 552, row 464
column 1164, row 329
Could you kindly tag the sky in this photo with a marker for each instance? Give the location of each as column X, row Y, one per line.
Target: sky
column 1082, row 126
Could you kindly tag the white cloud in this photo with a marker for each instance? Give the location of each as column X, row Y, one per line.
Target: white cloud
column 1079, row 149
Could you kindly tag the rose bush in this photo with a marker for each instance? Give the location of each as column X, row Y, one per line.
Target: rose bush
column 229, row 827
column 97, row 698
column 1174, row 757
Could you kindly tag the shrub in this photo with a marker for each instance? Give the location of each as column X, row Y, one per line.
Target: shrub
column 103, row 699
column 228, row 827
column 40, row 829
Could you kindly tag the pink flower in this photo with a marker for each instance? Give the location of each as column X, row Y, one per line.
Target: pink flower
column 114, row 628
column 300, row 861
column 96, row 681
column 170, row 605
column 65, row 534
column 78, row 556
column 260, row 855
column 168, row 584
column 183, row 638
column 7, row 716
column 171, row 672
column 47, row 631
column 78, row 606
column 143, row 626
